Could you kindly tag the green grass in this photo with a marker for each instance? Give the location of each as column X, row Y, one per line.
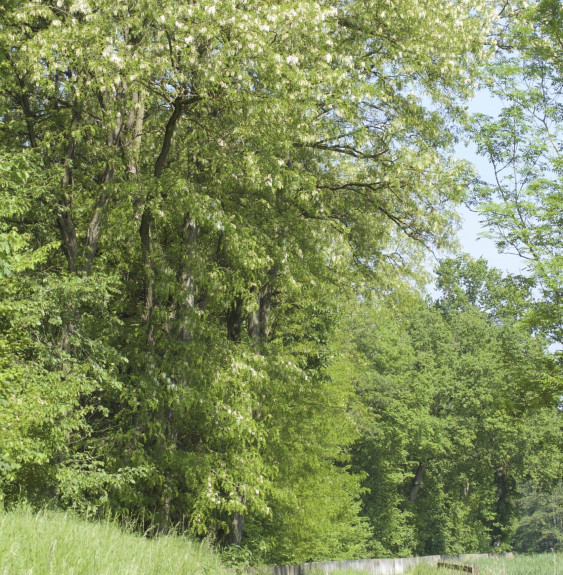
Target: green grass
column 56, row 543
column 341, row 572
column 545, row 564
column 427, row 570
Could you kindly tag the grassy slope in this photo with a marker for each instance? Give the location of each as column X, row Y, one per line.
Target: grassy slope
column 54, row 543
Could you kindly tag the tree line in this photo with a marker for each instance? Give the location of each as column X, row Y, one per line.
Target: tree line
column 214, row 234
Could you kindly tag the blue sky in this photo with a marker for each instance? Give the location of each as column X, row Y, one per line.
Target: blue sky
column 471, row 229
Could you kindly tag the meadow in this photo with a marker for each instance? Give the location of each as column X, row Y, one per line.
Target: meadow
column 56, row 543
column 544, row 564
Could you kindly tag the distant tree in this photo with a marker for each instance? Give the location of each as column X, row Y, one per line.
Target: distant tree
column 540, row 528
column 458, row 397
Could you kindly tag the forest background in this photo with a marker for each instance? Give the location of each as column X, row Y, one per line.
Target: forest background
column 216, row 222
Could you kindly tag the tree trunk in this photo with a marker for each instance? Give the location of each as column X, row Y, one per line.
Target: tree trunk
column 258, row 327
column 259, row 320
column 146, row 220
column 234, row 320
column 503, row 511
column 237, row 526
column 417, row 482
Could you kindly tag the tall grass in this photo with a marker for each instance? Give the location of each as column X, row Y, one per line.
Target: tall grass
column 56, row 543
column 544, row 564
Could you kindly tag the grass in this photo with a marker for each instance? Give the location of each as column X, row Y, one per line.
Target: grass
column 56, row 543
column 341, row 572
column 544, row 564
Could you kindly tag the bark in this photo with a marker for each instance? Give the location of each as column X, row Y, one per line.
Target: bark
column 22, row 98
column 259, row 319
column 503, row 511
column 168, row 133
column 29, row 116
column 165, row 521
column 70, row 243
column 234, row 320
column 266, row 303
column 94, row 231
column 466, row 489
column 68, row 232
column 254, row 330
column 258, row 330
column 144, row 232
column 417, row 482
column 237, row 526
column 135, row 128
column 130, row 144
column 146, row 219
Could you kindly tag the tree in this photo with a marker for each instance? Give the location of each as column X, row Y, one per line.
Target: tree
column 522, row 207
column 539, row 529
column 454, row 393
column 47, row 395
column 216, row 178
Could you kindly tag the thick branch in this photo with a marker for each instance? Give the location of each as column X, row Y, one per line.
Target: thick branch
column 144, row 232
column 70, row 243
column 135, row 127
column 23, row 98
column 94, row 232
column 168, row 133
column 29, row 118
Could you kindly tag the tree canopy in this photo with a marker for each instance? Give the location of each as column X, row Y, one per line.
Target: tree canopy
column 193, row 196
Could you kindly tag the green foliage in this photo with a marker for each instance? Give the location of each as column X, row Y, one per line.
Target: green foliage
column 191, row 192
column 43, row 387
column 540, row 528
column 522, row 208
column 454, row 396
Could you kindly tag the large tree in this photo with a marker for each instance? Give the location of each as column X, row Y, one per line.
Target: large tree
column 211, row 179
